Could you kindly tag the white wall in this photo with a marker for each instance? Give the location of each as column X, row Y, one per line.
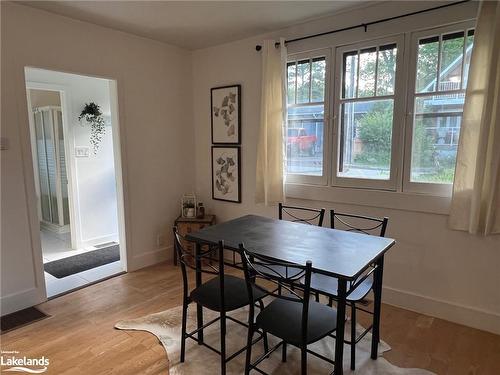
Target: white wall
column 432, row 269
column 94, row 182
column 154, row 87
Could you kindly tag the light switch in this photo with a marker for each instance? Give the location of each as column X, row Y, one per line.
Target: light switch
column 82, row 152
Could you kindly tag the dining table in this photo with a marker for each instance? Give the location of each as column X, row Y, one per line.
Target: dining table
column 345, row 255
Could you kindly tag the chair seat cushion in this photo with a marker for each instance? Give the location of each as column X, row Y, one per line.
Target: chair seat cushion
column 283, row 318
column 235, row 293
column 328, row 285
column 279, row 270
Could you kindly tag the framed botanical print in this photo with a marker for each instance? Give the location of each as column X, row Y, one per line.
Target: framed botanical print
column 226, row 173
column 225, row 103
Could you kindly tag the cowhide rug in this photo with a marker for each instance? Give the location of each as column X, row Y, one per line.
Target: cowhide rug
column 166, row 326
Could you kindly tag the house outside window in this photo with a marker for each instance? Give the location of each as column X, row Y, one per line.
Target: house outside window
column 437, row 95
column 395, row 120
column 367, row 126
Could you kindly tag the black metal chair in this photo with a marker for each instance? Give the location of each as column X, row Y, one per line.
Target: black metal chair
column 304, row 215
column 298, row 214
column 292, row 317
column 222, row 293
column 359, row 288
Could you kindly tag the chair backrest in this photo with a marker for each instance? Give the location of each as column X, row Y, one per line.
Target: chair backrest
column 358, row 223
column 304, row 215
column 200, row 262
column 271, row 279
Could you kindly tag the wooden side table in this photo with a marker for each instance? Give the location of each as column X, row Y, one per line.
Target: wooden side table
column 188, row 225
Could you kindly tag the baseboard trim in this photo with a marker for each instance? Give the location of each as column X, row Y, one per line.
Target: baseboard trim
column 150, row 258
column 466, row 315
column 18, row 301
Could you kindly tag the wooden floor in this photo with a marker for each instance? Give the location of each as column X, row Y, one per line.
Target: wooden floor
column 79, row 337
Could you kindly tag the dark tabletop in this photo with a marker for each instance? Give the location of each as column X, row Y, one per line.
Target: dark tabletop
column 333, row 252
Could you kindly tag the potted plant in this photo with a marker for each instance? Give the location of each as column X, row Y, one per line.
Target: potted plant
column 92, row 114
column 189, row 206
column 189, row 210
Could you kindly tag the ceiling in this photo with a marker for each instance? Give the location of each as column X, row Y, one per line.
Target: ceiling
column 194, row 24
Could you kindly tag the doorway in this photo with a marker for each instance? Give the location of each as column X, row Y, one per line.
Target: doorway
column 77, row 178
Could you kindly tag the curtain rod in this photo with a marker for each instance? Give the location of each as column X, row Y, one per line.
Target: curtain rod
column 365, row 25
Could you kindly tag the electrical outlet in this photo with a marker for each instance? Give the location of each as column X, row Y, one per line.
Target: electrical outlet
column 160, row 240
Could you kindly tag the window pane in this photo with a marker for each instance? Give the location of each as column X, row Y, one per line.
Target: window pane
column 318, row 79
column 386, row 71
column 350, row 73
column 304, row 140
column 435, row 138
column 291, row 74
column 303, row 81
column 366, row 139
column 427, row 63
column 468, row 53
column 451, row 61
column 366, row 82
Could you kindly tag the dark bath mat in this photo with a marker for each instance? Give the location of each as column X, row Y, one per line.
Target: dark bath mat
column 82, row 262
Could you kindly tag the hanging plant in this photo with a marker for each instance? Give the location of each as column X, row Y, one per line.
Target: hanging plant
column 92, row 114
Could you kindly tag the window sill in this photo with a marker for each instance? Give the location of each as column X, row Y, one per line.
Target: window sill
column 368, row 197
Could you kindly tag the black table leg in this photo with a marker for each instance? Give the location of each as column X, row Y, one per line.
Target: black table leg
column 199, row 308
column 377, row 291
column 339, row 340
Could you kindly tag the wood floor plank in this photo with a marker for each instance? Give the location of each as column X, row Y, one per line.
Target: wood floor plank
column 79, row 337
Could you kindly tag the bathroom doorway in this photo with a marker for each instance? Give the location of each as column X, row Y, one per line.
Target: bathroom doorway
column 78, row 192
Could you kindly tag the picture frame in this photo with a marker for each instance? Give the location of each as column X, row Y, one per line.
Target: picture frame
column 225, row 114
column 226, row 173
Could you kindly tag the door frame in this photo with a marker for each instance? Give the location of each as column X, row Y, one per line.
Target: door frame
column 118, row 153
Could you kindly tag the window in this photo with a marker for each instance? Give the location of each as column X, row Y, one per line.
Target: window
column 365, row 125
column 304, row 138
column 437, row 99
column 396, row 107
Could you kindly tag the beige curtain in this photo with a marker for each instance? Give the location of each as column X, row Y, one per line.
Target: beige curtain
column 269, row 174
column 475, row 205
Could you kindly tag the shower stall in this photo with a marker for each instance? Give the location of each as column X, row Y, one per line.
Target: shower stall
column 51, row 165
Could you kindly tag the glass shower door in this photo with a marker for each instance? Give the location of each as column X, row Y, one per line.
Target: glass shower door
column 43, row 169
column 62, row 169
column 51, row 166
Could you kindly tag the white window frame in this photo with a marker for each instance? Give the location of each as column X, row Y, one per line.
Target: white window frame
column 310, row 179
column 393, row 183
column 427, row 197
column 437, row 189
